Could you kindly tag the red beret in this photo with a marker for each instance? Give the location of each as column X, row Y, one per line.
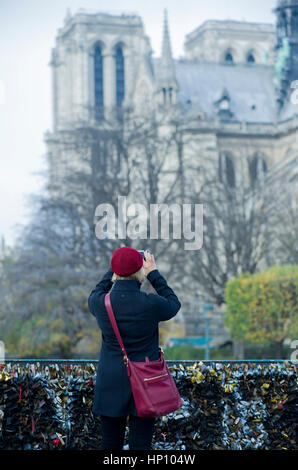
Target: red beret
column 126, row 261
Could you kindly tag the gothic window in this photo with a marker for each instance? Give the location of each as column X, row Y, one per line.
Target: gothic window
column 164, row 92
column 282, row 24
column 251, row 58
column 294, row 22
column 223, row 105
column 119, row 76
column 97, row 155
column 226, row 171
column 229, row 58
column 257, row 169
column 170, row 94
column 98, row 82
column 118, row 149
column 230, row 174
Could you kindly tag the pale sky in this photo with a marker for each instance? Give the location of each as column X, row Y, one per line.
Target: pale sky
column 28, row 29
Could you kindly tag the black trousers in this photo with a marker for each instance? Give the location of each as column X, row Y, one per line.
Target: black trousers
column 113, row 432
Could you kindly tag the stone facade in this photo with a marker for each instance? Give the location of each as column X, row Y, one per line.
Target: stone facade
column 246, row 42
column 226, row 81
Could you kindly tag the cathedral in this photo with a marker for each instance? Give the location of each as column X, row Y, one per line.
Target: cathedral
column 238, row 78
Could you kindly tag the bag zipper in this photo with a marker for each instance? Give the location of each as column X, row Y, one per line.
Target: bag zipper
column 156, row 377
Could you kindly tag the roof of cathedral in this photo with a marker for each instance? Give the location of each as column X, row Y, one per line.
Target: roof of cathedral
column 250, row 90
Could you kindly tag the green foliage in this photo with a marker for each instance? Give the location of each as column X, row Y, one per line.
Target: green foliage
column 42, row 337
column 44, row 310
column 262, row 307
column 180, row 353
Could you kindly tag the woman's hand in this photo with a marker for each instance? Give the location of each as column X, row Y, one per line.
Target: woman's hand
column 149, row 265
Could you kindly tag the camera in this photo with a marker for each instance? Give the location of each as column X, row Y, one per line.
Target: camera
column 143, row 253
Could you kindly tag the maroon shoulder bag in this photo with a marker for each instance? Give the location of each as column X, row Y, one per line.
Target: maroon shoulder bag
column 153, row 387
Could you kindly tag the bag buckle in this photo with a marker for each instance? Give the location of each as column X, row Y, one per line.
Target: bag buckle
column 125, row 360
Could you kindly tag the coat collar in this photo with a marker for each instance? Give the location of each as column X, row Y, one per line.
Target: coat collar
column 126, row 284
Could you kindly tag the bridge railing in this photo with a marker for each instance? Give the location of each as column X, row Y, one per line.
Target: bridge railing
column 227, row 404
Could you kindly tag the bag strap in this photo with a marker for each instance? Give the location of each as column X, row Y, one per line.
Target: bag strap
column 114, row 325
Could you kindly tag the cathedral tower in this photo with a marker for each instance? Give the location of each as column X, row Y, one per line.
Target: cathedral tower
column 94, row 63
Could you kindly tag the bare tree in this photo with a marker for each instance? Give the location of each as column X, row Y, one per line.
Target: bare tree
column 237, row 233
column 59, row 254
column 284, row 220
column 141, row 158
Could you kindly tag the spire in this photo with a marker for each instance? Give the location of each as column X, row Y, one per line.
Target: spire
column 167, row 63
column 67, row 16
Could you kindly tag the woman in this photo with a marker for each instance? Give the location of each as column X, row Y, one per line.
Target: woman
column 137, row 315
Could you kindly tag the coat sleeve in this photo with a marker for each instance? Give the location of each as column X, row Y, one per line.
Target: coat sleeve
column 166, row 302
column 102, row 287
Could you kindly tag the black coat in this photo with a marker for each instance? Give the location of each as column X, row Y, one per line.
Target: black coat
column 137, row 315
